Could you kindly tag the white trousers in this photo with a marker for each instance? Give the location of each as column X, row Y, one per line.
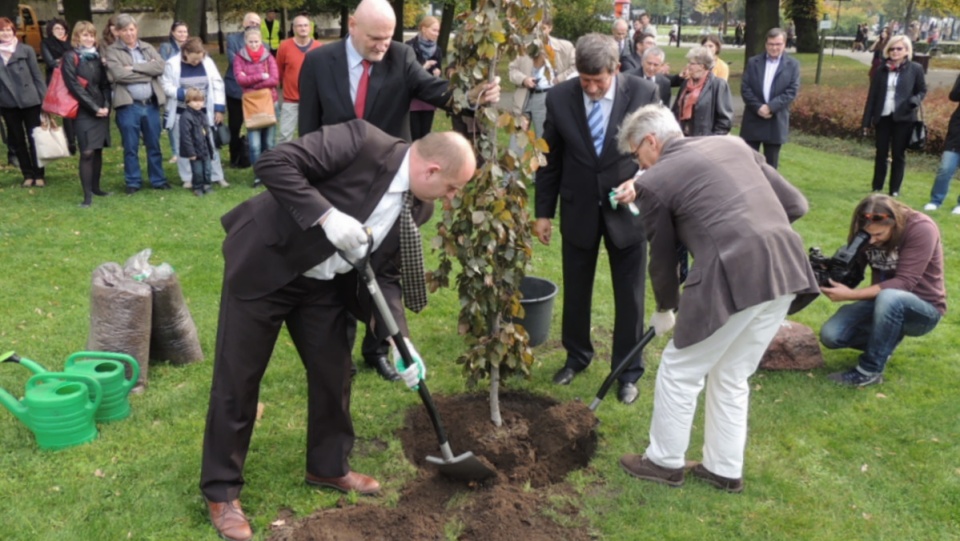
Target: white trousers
column 725, row 360
column 289, row 117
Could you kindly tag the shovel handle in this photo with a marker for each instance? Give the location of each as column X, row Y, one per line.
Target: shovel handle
column 615, row 373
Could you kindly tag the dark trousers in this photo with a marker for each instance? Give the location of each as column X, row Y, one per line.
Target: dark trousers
column 770, row 151
column 628, row 269
column 895, row 135
column 20, row 124
column 316, row 315
column 421, row 122
column 235, row 122
column 200, row 169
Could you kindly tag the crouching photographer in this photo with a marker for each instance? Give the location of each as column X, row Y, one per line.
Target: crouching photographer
column 906, row 296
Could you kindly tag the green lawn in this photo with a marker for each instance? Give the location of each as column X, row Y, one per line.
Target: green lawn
column 822, row 463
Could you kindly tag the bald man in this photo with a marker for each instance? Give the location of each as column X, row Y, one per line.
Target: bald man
column 281, row 267
column 234, row 93
column 332, row 74
column 330, row 83
column 619, row 31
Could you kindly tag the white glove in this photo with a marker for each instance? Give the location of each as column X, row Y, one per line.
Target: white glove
column 411, row 375
column 344, row 231
column 662, row 322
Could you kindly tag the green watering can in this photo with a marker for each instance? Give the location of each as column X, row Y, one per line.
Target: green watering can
column 108, row 369
column 59, row 408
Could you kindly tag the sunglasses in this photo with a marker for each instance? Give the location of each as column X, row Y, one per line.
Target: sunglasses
column 873, row 217
column 897, row 49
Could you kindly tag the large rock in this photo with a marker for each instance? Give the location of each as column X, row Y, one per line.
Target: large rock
column 795, row 347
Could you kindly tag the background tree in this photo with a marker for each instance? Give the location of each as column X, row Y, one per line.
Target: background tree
column 761, row 16
column 8, row 9
column 194, row 13
column 806, row 16
column 487, row 227
column 574, row 18
column 77, row 11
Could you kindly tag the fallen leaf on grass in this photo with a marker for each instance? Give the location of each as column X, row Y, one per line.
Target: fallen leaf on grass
column 278, row 523
column 99, row 473
column 867, row 516
column 260, row 408
column 863, row 468
column 881, row 395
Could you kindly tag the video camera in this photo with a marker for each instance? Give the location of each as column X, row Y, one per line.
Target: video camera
column 842, row 267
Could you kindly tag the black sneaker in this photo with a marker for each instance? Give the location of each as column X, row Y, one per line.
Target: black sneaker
column 855, row 378
column 132, row 190
column 164, row 186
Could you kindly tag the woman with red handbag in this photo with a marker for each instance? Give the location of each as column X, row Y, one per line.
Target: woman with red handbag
column 52, row 49
column 86, row 79
column 21, row 93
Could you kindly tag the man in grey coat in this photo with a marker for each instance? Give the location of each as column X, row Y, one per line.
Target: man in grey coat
column 134, row 68
column 771, row 81
column 733, row 212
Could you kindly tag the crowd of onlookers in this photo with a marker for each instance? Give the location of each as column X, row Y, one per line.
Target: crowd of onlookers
column 176, row 87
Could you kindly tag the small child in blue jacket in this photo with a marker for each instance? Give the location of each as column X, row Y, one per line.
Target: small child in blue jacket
column 195, row 140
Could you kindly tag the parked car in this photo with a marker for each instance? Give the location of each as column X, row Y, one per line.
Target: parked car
column 29, row 29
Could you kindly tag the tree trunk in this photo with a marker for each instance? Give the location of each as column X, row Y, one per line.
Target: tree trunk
column 446, row 25
column 344, row 21
column 495, row 395
column 77, row 11
column 8, row 9
column 762, row 15
column 726, row 15
column 808, row 41
column 398, row 10
column 194, row 13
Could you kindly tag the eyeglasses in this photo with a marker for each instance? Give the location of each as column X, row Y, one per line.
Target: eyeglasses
column 874, row 217
column 898, row 49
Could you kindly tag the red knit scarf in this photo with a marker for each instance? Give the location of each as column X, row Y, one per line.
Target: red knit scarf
column 690, row 95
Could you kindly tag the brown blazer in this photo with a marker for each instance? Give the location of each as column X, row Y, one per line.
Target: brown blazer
column 733, row 212
column 271, row 238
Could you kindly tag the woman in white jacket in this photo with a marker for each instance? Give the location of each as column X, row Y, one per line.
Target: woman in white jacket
column 194, row 69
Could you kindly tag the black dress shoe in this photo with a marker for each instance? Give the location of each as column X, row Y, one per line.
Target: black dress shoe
column 384, row 368
column 163, row 186
column 132, row 190
column 564, row 376
column 628, row 393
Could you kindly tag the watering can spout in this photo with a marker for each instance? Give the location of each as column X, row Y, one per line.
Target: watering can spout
column 14, row 405
column 12, row 357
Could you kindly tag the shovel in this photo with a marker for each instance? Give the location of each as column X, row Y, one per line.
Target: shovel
column 466, row 466
column 615, row 373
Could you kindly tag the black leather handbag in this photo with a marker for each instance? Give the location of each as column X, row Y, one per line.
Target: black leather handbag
column 221, row 135
column 918, row 134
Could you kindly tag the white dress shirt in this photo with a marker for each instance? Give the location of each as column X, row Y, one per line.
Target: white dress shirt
column 769, row 71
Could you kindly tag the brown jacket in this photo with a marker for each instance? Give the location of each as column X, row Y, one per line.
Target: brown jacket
column 733, row 212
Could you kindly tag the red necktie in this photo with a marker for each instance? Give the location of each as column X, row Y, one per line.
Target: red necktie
column 361, row 102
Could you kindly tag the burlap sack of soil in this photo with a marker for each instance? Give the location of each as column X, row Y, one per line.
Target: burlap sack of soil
column 120, row 316
column 173, row 334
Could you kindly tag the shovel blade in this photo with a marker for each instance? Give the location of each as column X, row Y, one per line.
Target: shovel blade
column 466, row 467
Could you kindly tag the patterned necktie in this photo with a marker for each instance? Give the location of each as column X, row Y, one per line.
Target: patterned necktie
column 595, row 122
column 361, row 102
column 411, row 259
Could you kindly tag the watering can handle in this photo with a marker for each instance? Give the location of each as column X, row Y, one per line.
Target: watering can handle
column 106, row 356
column 91, row 383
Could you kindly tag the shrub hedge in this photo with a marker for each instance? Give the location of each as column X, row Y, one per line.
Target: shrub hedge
column 838, row 112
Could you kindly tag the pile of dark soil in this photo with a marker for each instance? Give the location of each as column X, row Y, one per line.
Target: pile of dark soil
column 540, row 442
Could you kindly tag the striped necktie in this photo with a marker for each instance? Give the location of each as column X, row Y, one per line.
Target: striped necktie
column 595, row 122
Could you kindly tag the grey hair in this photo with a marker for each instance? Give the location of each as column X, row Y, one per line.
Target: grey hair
column 654, row 120
column 596, row 53
column 123, row 21
column 776, row 32
column 653, row 51
column 701, row 55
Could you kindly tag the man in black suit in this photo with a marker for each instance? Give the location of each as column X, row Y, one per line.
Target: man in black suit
column 771, row 81
column 281, row 266
column 583, row 166
column 650, row 64
column 330, row 81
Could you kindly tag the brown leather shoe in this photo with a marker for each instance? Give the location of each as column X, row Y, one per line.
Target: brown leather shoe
column 229, row 520
column 717, row 481
column 364, row 484
column 641, row 467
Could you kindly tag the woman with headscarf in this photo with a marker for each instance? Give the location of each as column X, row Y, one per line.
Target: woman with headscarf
column 52, row 49
column 703, row 105
column 21, row 93
column 86, row 78
column 895, row 96
column 429, row 56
